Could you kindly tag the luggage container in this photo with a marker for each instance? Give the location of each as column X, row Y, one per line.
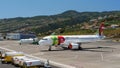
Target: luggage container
column 16, row 60
column 22, row 60
column 32, row 64
column 8, row 56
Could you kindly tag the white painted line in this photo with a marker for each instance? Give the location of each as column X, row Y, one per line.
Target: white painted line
column 44, row 60
column 6, row 49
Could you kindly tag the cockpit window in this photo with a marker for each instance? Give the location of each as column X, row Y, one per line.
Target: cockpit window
column 44, row 39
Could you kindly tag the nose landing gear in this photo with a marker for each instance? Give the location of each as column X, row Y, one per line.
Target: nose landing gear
column 50, row 48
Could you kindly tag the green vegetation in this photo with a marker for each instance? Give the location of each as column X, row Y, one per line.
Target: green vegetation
column 69, row 22
column 113, row 33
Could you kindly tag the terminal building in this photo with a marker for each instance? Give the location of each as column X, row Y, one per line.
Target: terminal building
column 18, row 36
column 1, row 37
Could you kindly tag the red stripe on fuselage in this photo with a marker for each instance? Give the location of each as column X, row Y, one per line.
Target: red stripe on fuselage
column 61, row 39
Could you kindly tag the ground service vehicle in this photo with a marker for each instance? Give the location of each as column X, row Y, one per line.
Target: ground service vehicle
column 8, row 56
column 31, row 63
column 16, row 60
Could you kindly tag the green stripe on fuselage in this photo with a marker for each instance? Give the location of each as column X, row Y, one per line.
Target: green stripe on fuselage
column 55, row 40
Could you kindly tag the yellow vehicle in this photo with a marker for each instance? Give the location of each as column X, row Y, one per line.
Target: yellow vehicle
column 7, row 56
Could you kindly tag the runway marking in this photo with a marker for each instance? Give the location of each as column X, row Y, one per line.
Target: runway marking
column 44, row 60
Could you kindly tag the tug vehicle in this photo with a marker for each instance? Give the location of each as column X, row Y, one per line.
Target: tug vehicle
column 7, row 56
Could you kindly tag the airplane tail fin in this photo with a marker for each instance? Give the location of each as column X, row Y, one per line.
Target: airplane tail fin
column 101, row 29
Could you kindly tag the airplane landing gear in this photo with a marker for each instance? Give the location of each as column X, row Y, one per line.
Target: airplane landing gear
column 80, row 48
column 50, row 48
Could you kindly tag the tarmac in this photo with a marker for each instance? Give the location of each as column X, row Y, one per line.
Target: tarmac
column 104, row 54
column 7, row 66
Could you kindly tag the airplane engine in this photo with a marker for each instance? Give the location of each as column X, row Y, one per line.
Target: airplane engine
column 73, row 46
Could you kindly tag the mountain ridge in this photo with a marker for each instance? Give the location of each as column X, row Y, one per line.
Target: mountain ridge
column 43, row 24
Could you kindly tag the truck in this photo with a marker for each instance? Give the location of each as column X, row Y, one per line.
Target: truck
column 7, row 56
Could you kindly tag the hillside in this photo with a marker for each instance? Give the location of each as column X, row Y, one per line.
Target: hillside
column 64, row 23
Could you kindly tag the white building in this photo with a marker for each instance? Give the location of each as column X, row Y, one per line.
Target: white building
column 18, row 36
column 114, row 26
column 1, row 37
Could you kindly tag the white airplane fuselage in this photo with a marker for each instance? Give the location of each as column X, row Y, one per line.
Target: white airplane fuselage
column 66, row 40
column 82, row 38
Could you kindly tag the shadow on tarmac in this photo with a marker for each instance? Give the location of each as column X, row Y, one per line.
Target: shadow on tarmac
column 91, row 49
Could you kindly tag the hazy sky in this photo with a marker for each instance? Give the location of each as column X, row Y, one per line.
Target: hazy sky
column 29, row 8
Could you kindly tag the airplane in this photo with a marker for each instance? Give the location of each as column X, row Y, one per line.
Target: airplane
column 71, row 41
